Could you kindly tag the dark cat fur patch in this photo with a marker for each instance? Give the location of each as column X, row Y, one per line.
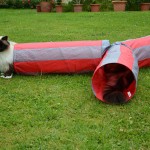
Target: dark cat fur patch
column 118, row 78
column 10, row 71
column 4, row 44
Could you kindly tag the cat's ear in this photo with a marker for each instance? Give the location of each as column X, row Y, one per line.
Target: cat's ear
column 5, row 38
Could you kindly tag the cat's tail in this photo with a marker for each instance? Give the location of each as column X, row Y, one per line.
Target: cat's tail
column 113, row 96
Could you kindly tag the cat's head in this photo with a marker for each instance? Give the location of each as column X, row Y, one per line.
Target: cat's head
column 4, row 43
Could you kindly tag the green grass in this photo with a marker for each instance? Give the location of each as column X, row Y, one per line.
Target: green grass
column 60, row 112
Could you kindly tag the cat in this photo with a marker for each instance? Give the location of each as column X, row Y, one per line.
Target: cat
column 118, row 78
column 6, row 57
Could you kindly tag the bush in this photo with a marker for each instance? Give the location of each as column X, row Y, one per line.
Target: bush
column 21, row 3
column 86, row 5
column 144, row 1
column 68, row 7
column 33, row 3
column 133, row 5
column 17, row 4
column 106, row 5
column 3, row 4
column 14, row 3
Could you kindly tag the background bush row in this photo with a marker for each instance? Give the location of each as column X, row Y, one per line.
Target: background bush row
column 106, row 5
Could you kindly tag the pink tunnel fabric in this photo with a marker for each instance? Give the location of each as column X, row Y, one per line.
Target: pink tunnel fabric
column 131, row 54
column 141, row 49
column 58, row 57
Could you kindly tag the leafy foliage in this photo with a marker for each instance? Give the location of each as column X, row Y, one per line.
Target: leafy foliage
column 133, row 4
column 106, row 5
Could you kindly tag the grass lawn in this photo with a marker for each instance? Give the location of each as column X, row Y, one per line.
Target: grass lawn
column 60, row 112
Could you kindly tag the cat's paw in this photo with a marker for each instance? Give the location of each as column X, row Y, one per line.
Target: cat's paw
column 6, row 77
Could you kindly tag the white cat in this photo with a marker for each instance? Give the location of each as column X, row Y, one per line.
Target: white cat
column 6, row 57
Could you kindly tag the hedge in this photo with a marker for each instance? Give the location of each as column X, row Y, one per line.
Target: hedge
column 106, row 5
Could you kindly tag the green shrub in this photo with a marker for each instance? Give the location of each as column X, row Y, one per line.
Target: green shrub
column 106, row 5
column 21, row 4
column 14, row 3
column 33, row 3
column 133, row 5
column 3, row 4
column 17, row 4
column 86, row 5
column 26, row 4
column 144, row 1
column 68, row 7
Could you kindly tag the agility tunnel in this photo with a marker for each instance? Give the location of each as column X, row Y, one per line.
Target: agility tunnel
column 58, row 57
column 85, row 56
column 131, row 54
